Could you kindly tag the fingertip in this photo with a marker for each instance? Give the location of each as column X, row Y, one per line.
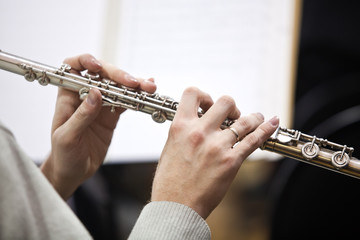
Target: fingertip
column 274, row 121
column 89, row 62
column 86, row 112
column 96, row 63
column 148, row 85
column 150, row 80
column 94, row 97
column 260, row 116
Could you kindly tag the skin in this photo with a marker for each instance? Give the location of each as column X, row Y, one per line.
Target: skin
column 199, row 160
column 82, row 130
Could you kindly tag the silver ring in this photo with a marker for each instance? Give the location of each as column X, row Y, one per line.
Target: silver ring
column 235, row 132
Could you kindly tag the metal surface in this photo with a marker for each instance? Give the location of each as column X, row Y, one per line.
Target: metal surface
column 161, row 108
column 287, row 142
column 314, row 150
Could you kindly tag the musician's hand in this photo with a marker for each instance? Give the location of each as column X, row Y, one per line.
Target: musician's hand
column 199, row 161
column 82, row 130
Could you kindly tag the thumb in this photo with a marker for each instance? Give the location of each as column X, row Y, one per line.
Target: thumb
column 86, row 113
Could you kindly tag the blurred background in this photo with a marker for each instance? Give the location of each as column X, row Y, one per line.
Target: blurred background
column 295, row 59
column 244, row 49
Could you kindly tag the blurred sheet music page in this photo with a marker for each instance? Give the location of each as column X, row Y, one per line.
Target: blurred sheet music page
column 244, row 49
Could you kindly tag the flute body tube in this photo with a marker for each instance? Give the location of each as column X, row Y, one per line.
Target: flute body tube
column 287, row 142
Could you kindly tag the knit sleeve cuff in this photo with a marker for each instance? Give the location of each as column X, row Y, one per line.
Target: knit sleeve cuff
column 169, row 220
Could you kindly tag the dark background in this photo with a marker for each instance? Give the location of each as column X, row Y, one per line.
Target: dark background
column 313, row 203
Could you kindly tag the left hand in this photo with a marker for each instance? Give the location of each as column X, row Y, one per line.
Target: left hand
column 82, row 130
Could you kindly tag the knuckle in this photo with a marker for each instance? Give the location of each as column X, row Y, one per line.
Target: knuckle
column 63, row 140
column 191, row 90
column 68, row 59
column 176, row 128
column 267, row 129
column 244, row 124
column 214, row 149
column 262, row 133
column 196, row 137
column 227, row 100
column 86, row 58
column 88, row 55
column 231, row 163
column 253, row 139
column 228, row 159
column 119, row 75
column 81, row 113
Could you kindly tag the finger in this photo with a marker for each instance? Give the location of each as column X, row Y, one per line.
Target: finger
column 191, row 100
column 119, row 76
column 151, row 80
column 66, row 104
column 147, row 85
column 84, row 61
column 85, row 113
column 244, row 125
column 254, row 140
column 223, row 108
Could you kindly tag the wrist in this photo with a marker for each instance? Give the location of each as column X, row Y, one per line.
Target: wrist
column 65, row 187
column 47, row 169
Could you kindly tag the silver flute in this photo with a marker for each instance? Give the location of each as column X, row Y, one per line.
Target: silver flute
column 287, row 142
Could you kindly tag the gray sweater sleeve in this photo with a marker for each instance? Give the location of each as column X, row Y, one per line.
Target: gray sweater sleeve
column 30, row 208
column 169, row 220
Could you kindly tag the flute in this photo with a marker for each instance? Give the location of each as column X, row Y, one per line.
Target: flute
column 287, row 142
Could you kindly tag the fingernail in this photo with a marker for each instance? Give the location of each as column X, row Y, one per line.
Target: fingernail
column 150, row 80
column 91, row 98
column 274, row 121
column 96, row 62
column 260, row 115
column 131, row 78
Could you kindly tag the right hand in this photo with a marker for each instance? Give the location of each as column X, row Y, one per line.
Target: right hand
column 199, row 160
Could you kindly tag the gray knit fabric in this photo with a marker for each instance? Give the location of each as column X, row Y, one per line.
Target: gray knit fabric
column 169, row 220
column 30, row 208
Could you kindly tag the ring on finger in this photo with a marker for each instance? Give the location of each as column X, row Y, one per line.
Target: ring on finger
column 235, row 133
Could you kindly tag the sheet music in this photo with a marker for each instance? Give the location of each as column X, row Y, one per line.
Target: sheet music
column 240, row 48
column 237, row 48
